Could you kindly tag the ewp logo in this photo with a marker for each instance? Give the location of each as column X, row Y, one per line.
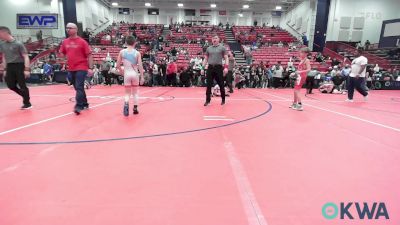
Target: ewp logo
column 378, row 210
column 37, row 21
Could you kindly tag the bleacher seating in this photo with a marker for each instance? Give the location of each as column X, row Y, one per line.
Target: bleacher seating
column 390, row 54
column 197, row 33
column 113, row 51
column 282, row 54
column 143, row 31
column 268, row 34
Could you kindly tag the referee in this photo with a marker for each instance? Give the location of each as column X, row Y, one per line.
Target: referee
column 216, row 71
column 16, row 65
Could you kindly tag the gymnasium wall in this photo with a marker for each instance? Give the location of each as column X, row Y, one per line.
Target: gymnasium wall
column 93, row 14
column 300, row 20
column 10, row 9
column 354, row 20
column 90, row 13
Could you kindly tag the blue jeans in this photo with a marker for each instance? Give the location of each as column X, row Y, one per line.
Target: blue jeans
column 78, row 80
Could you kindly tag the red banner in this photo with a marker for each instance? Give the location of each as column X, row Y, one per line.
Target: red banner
column 202, row 11
column 222, row 13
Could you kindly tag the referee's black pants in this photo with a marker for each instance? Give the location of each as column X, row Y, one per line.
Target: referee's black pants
column 15, row 75
column 215, row 72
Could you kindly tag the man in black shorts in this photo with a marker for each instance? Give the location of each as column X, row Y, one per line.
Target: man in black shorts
column 16, row 65
column 216, row 70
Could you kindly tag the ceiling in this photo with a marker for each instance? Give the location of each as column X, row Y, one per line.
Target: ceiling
column 255, row 5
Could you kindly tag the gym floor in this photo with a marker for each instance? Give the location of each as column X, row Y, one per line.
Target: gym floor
column 251, row 161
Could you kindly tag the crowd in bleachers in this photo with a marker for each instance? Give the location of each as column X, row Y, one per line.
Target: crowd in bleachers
column 271, row 57
column 115, row 34
column 266, row 35
column 181, row 33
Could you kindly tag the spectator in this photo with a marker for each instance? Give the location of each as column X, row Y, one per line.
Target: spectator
column 229, row 77
column 156, row 75
column 172, row 70
column 261, row 77
column 174, row 52
column 277, row 75
column 305, row 39
column 396, row 73
column 337, row 82
column 239, row 78
column 163, row 72
column 376, row 69
column 105, row 72
column 346, row 71
column 310, row 80
column 319, row 57
column 39, row 35
column 334, row 71
column 53, row 56
column 29, row 40
column 335, row 62
column 97, row 78
column 253, row 76
column 367, row 44
column 48, row 71
column 86, row 35
column 185, row 77
column 227, row 26
column 249, row 56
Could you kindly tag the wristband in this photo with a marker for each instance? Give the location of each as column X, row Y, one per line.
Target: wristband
column 226, row 66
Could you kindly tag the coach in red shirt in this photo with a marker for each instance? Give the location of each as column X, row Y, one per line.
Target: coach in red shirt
column 79, row 60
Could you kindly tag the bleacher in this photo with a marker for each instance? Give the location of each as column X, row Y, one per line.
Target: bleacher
column 390, row 54
column 197, row 32
column 243, row 34
column 281, row 54
column 348, row 51
column 112, row 51
column 142, row 31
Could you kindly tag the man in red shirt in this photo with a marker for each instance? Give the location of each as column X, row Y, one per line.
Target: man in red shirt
column 79, row 60
column 172, row 70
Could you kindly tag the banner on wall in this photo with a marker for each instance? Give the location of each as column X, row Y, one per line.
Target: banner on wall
column 37, row 21
column 205, row 12
column 276, row 13
column 153, row 11
column 222, row 13
column 125, row 11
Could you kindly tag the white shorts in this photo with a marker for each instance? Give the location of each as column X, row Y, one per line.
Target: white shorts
column 131, row 78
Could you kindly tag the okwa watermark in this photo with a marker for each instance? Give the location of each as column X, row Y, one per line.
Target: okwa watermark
column 355, row 210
